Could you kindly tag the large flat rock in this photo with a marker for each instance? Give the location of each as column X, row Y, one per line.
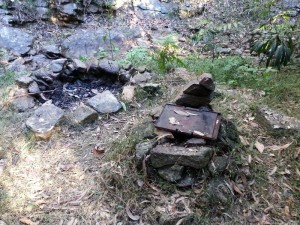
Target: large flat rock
column 44, row 120
column 15, row 40
column 105, row 102
column 197, row 157
column 274, row 121
column 87, row 43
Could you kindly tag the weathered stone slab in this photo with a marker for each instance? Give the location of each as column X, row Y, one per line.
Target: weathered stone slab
column 141, row 150
column 169, row 155
column 57, row 65
column 44, row 120
column 23, row 103
column 171, row 173
column 109, row 67
column 15, row 40
column 193, row 101
column 197, row 90
column 24, row 81
column 195, row 142
column 141, row 77
column 83, row 115
column 206, row 80
column 105, row 102
column 274, row 121
column 128, row 93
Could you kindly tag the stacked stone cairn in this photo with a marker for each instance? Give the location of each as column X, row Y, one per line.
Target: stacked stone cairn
column 184, row 159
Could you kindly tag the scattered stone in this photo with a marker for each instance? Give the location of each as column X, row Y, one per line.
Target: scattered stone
column 128, row 93
column 23, row 103
column 105, row 102
column 141, row 69
column 174, row 219
column 150, row 88
column 51, row 51
column 24, row 81
column 195, row 142
column 220, row 192
column 141, row 77
column 124, row 76
column 16, row 40
column 276, row 122
column 79, row 65
column 187, row 180
column 2, row 222
column 218, row 165
column 186, row 10
column 17, row 65
column 193, row 101
column 141, row 150
column 171, row 173
column 224, row 50
column 206, row 80
column 109, row 67
column 44, row 75
column 34, row 88
column 57, row 65
column 169, row 155
column 152, row 5
column 228, row 138
column 127, row 66
column 83, row 115
column 44, row 120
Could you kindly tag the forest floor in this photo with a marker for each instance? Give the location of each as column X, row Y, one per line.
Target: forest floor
column 87, row 175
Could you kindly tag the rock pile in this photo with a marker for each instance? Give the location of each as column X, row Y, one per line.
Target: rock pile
column 181, row 155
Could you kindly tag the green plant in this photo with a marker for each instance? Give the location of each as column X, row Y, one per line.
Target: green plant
column 101, row 54
column 137, row 56
column 166, row 54
column 83, row 58
column 278, row 40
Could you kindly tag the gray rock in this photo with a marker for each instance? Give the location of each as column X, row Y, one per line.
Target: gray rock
column 23, row 103
column 43, row 74
column 15, row 40
column 24, row 81
column 220, row 192
column 51, row 51
column 171, row 173
column 197, row 157
column 128, row 93
column 83, row 115
column 151, row 5
column 44, row 119
column 17, row 65
column 186, row 10
column 276, row 122
column 57, row 65
column 109, row 67
column 69, row 9
column 193, row 101
column 141, row 150
column 228, row 138
column 105, row 102
column 207, row 81
column 87, row 43
column 41, row 3
column 141, row 77
column 187, row 180
column 173, row 219
column 218, row 165
column 195, row 142
column 2, row 222
column 34, row 88
column 150, row 87
column 79, row 65
column 224, row 50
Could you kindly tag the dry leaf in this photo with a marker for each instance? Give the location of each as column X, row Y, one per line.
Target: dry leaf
column 236, row 189
column 259, row 146
column 249, row 159
column 273, row 171
column 173, row 121
column 27, row 221
column 182, row 113
column 72, row 221
column 286, row 210
column 130, row 215
column 298, row 172
column 279, row 148
column 163, row 134
column 243, row 140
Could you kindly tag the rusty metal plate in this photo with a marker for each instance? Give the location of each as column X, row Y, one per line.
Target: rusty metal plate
column 189, row 121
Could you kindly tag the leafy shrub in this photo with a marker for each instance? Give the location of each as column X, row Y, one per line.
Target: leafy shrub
column 166, row 54
column 278, row 41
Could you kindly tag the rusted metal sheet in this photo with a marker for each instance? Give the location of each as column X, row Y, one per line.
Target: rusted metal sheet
column 189, row 121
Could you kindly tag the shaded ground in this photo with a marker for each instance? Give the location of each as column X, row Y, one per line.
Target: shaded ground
column 67, row 180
